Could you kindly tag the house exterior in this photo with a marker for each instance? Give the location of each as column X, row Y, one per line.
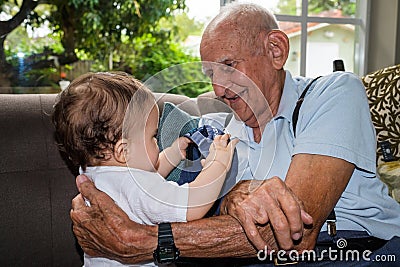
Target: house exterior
column 325, row 43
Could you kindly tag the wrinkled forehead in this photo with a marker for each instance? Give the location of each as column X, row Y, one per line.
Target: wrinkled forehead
column 221, row 45
column 229, row 41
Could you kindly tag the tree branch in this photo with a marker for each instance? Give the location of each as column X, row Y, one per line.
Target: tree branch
column 8, row 26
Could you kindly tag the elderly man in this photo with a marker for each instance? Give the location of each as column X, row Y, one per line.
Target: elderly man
column 327, row 161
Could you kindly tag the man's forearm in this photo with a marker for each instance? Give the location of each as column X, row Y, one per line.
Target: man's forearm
column 218, row 236
column 215, row 237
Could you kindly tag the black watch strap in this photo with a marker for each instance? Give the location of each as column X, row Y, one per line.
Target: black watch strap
column 166, row 251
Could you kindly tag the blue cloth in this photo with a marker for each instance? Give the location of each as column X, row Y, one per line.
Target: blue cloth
column 334, row 120
column 202, row 138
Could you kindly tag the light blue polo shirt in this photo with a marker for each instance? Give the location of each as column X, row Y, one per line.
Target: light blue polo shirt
column 334, row 120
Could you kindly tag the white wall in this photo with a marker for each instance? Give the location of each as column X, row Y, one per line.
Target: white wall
column 383, row 34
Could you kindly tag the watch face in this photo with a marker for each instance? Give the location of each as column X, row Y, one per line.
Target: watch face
column 165, row 254
column 166, row 251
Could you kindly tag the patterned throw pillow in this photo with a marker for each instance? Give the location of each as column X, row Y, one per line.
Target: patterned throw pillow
column 383, row 91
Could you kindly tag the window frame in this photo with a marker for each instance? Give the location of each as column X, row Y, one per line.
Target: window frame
column 361, row 35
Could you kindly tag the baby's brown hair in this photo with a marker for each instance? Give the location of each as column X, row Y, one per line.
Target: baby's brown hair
column 88, row 116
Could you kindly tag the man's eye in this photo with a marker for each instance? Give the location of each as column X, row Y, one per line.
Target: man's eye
column 230, row 63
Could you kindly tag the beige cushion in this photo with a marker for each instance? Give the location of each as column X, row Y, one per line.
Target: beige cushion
column 389, row 173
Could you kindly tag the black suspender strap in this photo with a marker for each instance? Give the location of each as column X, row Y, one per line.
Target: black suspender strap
column 331, row 220
column 296, row 111
column 331, row 223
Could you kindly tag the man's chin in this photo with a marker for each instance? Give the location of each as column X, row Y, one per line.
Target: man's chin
column 250, row 121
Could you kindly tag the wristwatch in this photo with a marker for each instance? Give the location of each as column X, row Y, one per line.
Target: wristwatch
column 166, row 251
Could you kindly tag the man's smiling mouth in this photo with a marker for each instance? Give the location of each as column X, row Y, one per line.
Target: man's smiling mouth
column 236, row 96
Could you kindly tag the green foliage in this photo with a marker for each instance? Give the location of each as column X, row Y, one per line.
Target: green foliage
column 141, row 37
column 161, row 58
column 148, row 55
column 155, row 50
column 101, row 25
column 348, row 7
column 42, row 77
column 287, row 7
column 181, row 26
column 19, row 41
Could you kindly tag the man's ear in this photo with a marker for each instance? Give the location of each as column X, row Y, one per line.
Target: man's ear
column 120, row 154
column 277, row 46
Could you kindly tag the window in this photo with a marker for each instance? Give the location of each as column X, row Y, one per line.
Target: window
column 320, row 33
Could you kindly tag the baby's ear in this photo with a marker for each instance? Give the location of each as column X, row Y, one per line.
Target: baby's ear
column 120, row 151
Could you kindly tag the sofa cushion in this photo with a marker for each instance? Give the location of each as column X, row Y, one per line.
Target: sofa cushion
column 189, row 105
column 209, row 103
column 389, row 172
column 174, row 123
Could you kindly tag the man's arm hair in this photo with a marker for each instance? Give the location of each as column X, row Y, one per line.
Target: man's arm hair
column 318, row 181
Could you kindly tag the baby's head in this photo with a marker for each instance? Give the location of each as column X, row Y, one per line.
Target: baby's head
column 89, row 115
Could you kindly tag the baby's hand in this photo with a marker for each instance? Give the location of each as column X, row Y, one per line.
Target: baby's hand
column 180, row 145
column 221, row 151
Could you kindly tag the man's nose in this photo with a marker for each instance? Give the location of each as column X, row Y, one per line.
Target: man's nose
column 220, row 82
column 219, row 89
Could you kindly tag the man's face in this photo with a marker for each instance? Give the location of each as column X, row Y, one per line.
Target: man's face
column 239, row 77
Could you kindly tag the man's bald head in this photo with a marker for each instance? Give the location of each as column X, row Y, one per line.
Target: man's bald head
column 244, row 21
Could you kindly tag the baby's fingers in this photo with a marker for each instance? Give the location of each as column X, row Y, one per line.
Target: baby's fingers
column 222, row 140
column 233, row 143
column 203, row 163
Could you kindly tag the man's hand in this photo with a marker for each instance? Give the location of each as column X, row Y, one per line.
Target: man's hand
column 255, row 203
column 104, row 230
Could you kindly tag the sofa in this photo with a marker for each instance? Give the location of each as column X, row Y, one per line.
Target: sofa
column 37, row 183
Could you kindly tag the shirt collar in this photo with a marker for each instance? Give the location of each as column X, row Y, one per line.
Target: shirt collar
column 290, row 95
column 237, row 128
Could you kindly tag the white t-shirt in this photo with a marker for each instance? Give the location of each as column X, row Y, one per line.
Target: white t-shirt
column 146, row 197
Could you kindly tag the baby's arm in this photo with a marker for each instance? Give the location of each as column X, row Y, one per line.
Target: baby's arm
column 171, row 156
column 205, row 189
